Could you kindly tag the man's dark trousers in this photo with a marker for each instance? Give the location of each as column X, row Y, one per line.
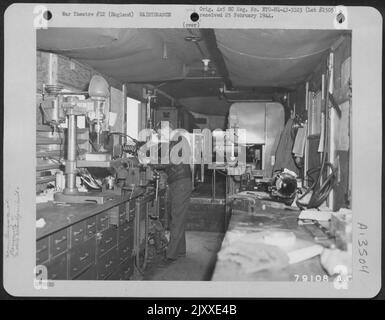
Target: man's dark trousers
column 180, row 193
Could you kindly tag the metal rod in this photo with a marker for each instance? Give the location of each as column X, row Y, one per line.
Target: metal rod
column 214, row 180
column 71, row 156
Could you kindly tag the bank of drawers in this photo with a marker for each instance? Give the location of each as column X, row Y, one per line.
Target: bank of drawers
column 106, row 240
column 82, row 231
column 81, row 257
column 124, row 272
column 42, row 249
column 108, row 264
column 123, row 213
column 99, row 247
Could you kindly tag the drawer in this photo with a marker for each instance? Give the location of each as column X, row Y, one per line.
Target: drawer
column 127, row 269
column 125, row 250
column 117, row 275
column 108, row 264
column 89, row 274
column 58, row 242
column 102, row 221
column 81, row 257
column 108, row 239
column 114, row 216
column 57, row 268
column 90, row 227
column 126, row 231
column 42, row 251
column 78, row 232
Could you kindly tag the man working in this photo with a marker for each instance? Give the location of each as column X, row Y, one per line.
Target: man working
column 180, row 187
column 179, row 180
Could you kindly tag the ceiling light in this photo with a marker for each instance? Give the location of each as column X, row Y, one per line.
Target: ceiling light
column 98, row 88
column 193, row 38
column 165, row 55
column 205, row 64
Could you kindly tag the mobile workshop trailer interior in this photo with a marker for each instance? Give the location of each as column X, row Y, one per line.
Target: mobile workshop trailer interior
column 263, row 119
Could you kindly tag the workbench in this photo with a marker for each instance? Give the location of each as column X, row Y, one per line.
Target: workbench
column 267, row 216
column 89, row 241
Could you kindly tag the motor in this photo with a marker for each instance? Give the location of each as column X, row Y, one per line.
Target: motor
column 284, row 185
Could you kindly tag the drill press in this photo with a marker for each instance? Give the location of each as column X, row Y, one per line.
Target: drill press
column 98, row 92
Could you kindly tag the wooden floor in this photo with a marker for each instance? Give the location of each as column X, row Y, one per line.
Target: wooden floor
column 198, row 265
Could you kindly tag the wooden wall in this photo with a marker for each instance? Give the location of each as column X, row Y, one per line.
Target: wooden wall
column 341, row 94
column 70, row 73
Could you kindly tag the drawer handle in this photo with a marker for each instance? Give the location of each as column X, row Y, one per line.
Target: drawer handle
column 60, row 240
column 43, row 248
column 108, row 240
column 91, row 225
column 84, row 257
column 109, row 264
column 78, row 232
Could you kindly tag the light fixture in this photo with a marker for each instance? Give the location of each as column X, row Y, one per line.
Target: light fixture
column 98, row 88
column 193, row 38
column 206, row 64
column 165, row 55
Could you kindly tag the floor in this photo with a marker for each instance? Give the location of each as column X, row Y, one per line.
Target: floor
column 198, row 264
column 204, row 189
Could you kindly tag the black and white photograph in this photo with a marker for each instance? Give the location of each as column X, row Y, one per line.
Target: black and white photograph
column 198, row 154
column 105, row 214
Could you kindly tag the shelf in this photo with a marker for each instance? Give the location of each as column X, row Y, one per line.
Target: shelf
column 94, row 164
column 40, row 180
column 45, row 141
column 49, row 153
column 48, row 166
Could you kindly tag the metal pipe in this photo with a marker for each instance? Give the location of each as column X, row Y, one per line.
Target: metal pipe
column 55, row 109
column 214, row 185
column 98, row 124
column 71, row 156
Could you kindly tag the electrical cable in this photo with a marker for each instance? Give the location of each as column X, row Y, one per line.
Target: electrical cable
column 320, row 194
column 124, row 134
column 86, row 177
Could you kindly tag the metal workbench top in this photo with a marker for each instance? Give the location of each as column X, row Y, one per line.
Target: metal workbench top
column 264, row 219
column 58, row 216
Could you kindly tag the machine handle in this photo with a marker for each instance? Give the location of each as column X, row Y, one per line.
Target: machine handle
column 84, row 257
column 108, row 264
column 78, row 232
column 60, row 240
column 43, row 248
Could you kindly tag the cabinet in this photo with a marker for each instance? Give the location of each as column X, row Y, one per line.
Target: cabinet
column 97, row 248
